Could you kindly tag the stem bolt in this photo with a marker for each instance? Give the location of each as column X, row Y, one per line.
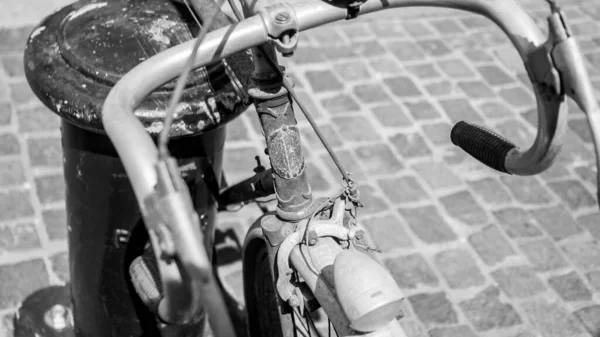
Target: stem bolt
column 58, row 317
column 282, row 17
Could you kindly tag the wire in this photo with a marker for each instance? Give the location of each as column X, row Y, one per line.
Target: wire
column 163, row 138
column 235, row 10
column 187, row 4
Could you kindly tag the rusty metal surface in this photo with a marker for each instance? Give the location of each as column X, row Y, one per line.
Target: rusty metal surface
column 76, row 55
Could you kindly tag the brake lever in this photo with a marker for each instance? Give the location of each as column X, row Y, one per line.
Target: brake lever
column 574, row 79
column 174, row 229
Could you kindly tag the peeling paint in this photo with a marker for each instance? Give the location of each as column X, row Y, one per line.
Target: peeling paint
column 158, row 28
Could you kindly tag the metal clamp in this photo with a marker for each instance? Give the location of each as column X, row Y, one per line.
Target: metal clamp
column 282, row 27
column 541, row 62
column 332, row 227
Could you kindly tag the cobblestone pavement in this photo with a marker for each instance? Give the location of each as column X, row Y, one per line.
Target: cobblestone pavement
column 476, row 252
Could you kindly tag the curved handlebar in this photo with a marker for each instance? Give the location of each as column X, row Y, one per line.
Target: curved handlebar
column 139, row 154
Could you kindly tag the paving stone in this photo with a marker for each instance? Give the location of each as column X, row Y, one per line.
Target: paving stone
column 9, row 144
column 326, row 36
column 455, row 68
column 587, row 174
column 412, row 328
column 517, row 223
column 12, row 287
column 494, row 75
column 411, row 271
column 422, row 110
column 452, row 331
column 434, row 47
column 517, row 97
column 403, row 189
column 462, row 206
column 340, row 103
column 13, row 65
column 60, row 266
column 584, row 254
column 406, row 50
column 402, row 87
column 557, row 222
column 433, row 308
column 552, row 320
column 310, row 139
column 384, row 28
column 339, row 53
column 440, row 88
column 491, row 245
column 594, row 278
column 424, row 71
column 478, row 55
column 11, row 173
column 527, row 190
column 352, row 71
column 46, row 151
column 490, row 190
column 317, row 182
column 15, row 204
column 543, row 255
column 21, row 93
column 355, row 128
column 486, row 312
column 388, row 232
column 20, row 236
column 458, row 268
column 5, row 113
column 378, row 159
column 493, row 38
column 237, row 131
column 427, row 224
column 306, row 55
column 391, row 115
column 348, row 161
column 51, row 188
column 582, row 129
column 437, row 175
column 516, row 132
column 511, row 59
column 460, row 109
column 417, row 29
column 385, row 65
column 370, row 93
column 476, row 89
column 369, row 48
column 56, row 223
column 591, row 222
column 438, row 134
column 373, row 201
column 37, row 118
column 477, row 22
column 446, row 26
column 570, row 287
column 573, row 194
column 556, row 171
column 518, row 281
column 495, row 110
column 590, row 318
column 573, row 150
column 410, row 145
column 239, row 161
column 14, row 39
column 323, row 80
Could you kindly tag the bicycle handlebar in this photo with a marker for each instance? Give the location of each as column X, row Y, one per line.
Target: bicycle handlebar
column 139, row 154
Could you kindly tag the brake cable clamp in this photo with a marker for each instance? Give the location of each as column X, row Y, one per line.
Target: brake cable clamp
column 282, row 27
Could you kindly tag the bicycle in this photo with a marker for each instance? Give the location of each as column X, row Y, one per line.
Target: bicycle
column 300, row 256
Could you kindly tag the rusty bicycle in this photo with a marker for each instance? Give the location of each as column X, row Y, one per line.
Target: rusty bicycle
column 143, row 162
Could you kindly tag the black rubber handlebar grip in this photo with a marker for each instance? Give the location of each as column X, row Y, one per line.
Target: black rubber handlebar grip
column 482, row 144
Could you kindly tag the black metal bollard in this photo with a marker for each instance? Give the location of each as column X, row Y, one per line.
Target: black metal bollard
column 72, row 60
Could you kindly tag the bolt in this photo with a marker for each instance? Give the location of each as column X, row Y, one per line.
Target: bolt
column 282, row 17
column 58, row 317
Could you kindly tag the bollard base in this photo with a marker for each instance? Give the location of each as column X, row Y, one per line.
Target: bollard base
column 46, row 313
